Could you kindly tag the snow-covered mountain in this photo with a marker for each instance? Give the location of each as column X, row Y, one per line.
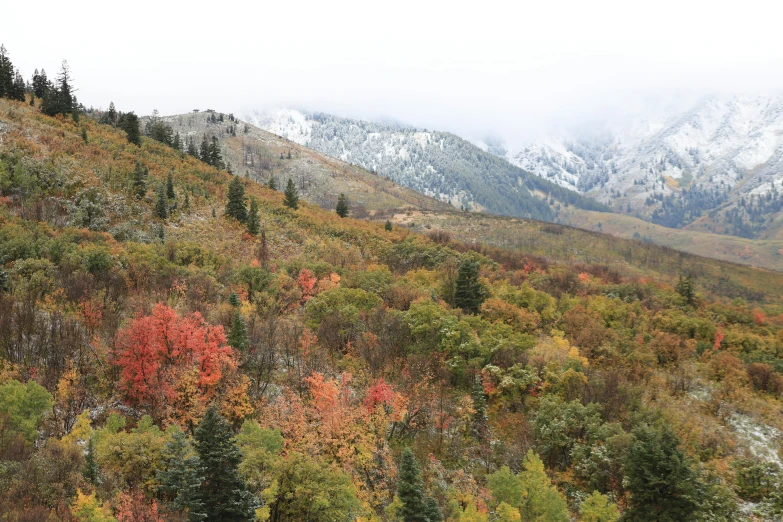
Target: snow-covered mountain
column 437, row 164
column 719, row 163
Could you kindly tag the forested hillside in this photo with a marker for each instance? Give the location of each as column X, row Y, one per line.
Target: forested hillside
column 438, row 164
column 180, row 343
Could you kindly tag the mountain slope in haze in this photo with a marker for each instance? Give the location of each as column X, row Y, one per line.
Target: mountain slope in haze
column 716, row 167
column 437, row 164
column 260, row 155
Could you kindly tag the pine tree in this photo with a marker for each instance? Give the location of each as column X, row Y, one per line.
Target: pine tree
column 187, row 200
column 90, row 470
column 480, row 425
column 388, row 226
column 84, row 134
column 180, row 478
column 139, row 182
column 686, row 290
column 192, row 150
column 60, row 99
column 203, row 151
column 18, row 88
column 170, row 187
column 177, row 142
column 6, row 73
column 233, row 300
column 659, row 477
column 237, row 336
column 129, row 122
column 223, row 493
column 291, row 199
column 111, row 114
column 40, row 83
column 215, row 158
column 272, row 184
column 253, row 220
column 342, row 206
column 161, row 232
column 416, row 506
column 162, row 205
column 469, row 293
column 236, row 201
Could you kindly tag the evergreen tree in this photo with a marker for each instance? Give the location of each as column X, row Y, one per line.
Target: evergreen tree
column 659, row 477
column 187, row 200
column 223, row 493
column 236, row 201
column 84, row 134
column 192, row 150
column 6, row 73
column 111, row 114
column 342, row 206
column 215, row 158
column 480, row 425
column 416, row 506
column 237, row 336
column 272, row 184
column 203, row 151
column 18, row 88
column 180, row 478
column 291, row 199
column 162, row 205
column 388, row 226
column 253, row 220
column 60, row 99
column 157, row 129
column 469, row 293
column 233, row 300
column 177, row 142
column 40, row 83
column 170, row 187
column 90, row 470
column 161, row 232
column 686, row 290
column 129, row 122
column 139, row 181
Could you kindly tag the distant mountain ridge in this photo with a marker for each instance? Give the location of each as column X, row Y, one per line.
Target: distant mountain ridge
column 717, row 166
column 438, row 164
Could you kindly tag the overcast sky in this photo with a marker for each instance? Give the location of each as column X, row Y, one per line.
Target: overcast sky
column 474, row 68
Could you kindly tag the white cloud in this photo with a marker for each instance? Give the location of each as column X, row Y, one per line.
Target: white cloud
column 511, row 67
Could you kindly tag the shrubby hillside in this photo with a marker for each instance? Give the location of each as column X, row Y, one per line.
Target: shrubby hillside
column 177, row 343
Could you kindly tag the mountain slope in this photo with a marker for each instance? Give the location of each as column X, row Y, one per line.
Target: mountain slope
column 717, row 167
column 438, row 164
column 259, row 155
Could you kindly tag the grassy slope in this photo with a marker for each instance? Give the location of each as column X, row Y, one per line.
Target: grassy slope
column 576, row 246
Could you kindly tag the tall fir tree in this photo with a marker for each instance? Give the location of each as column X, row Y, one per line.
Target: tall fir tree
column 90, row 470
column 223, row 493
column 272, row 184
column 139, row 181
column 237, row 336
column 180, row 478
column 236, row 200
column 6, row 73
column 253, row 220
column 415, row 505
column 170, row 187
column 192, row 150
column 659, row 477
column 215, row 158
column 469, row 292
column 342, row 206
column 60, row 99
column 388, row 226
column 203, row 151
column 129, row 122
column 162, row 205
column 111, row 114
column 291, row 199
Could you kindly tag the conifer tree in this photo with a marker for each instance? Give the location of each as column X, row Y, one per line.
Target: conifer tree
column 291, row 199
column 388, row 226
column 686, row 290
column 129, row 122
column 177, row 142
column 469, row 293
column 6, row 73
column 18, row 88
column 170, row 187
column 203, row 151
column 272, row 183
column 236, row 201
column 180, row 478
column 111, row 114
column 342, row 206
column 187, row 200
column 660, row 479
column 84, row 134
column 139, row 181
column 60, row 99
column 215, row 158
column 40, row 83
column 253, row 220
column 162, row 205
column 223, row 493
column 237, row 336
column 416, row 506
column 192, row 150
column 90, row 470
column 233, row 300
